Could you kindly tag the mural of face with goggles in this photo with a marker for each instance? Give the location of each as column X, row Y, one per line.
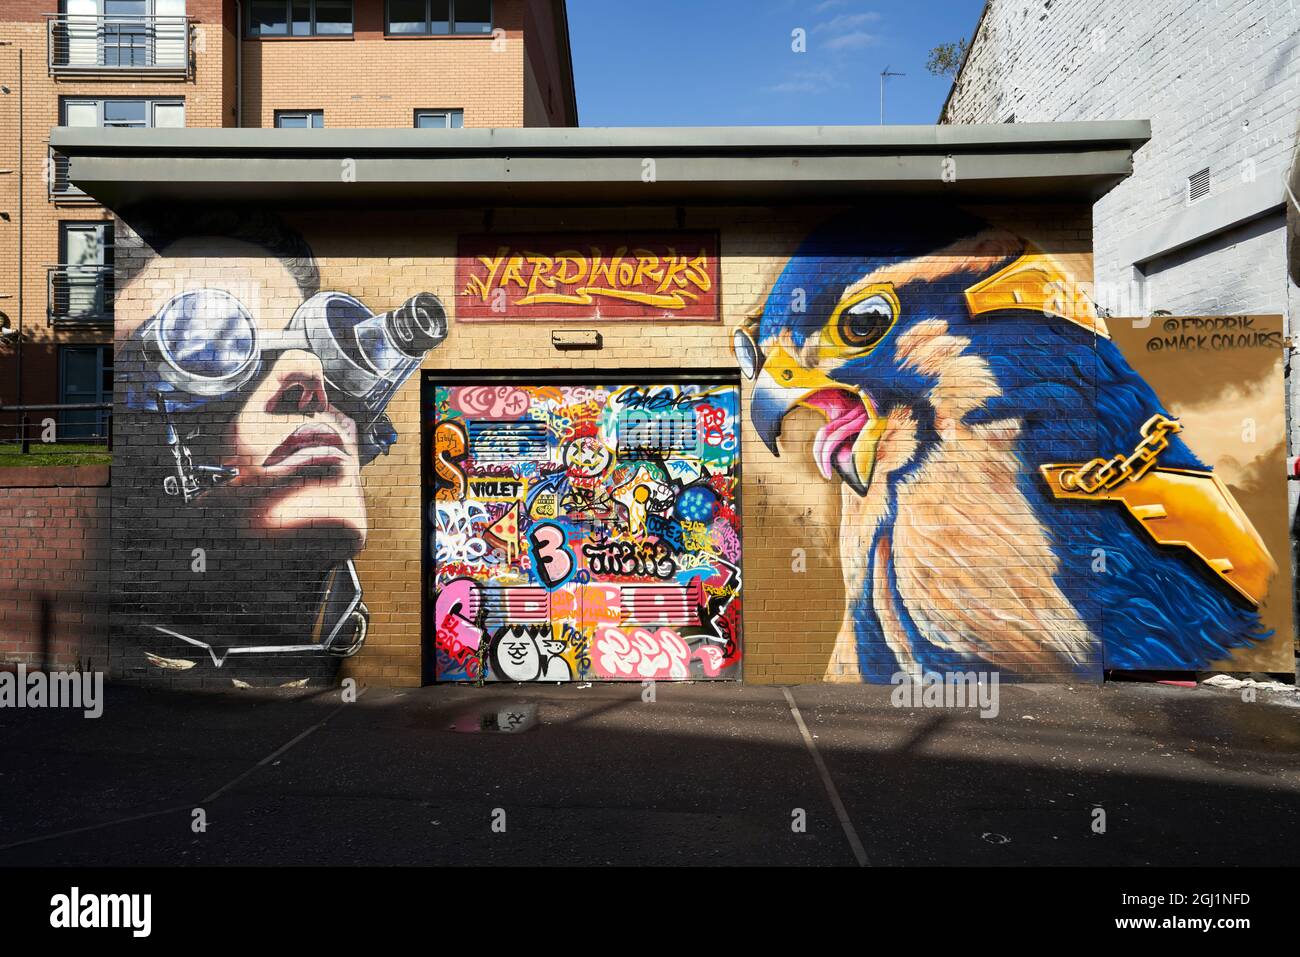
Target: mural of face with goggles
column 306, row 402
column 250, row 403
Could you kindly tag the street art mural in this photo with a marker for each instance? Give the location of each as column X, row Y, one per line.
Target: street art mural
column 1008, row 480
column 245, row 416
column 1014, row 492
column 584, row 532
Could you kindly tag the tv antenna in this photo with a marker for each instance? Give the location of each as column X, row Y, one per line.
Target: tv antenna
column 886, row 72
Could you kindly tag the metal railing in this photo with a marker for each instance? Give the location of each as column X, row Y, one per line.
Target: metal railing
column 77, row 422
column 61, row 188
column 79, row 295
column 91, row 44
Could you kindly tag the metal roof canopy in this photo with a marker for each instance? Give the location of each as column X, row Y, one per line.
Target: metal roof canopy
column 766, row 165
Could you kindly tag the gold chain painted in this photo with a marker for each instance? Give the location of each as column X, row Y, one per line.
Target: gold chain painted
column 1100, row 474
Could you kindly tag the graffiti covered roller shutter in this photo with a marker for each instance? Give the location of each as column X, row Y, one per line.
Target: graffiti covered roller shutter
column 584, row 532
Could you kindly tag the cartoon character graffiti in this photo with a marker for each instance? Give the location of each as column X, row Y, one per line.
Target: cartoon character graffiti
column 587, row 460
column 246, row 437
column 990, row 441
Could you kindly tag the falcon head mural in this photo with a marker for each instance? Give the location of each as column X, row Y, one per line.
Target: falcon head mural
column 1013, row 495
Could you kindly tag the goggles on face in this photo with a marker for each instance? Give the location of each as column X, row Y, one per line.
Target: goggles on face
column 204, row 345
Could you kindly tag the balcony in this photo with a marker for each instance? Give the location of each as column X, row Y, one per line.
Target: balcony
column 80, row 295
column 60, row 187
column 152, row 46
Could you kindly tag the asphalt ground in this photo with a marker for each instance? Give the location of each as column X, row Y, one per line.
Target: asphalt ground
column 706, row 773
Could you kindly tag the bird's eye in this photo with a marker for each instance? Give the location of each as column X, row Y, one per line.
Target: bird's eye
column 865, row 322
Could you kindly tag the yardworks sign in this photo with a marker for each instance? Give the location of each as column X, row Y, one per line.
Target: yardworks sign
column 607, row 276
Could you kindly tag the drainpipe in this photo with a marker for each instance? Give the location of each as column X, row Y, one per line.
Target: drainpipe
column 22, row 239
column 239, row 64
column 22, row 164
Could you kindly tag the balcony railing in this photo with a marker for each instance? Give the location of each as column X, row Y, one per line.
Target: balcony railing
column 80, row 295
column 89, row 44
column 61, row 188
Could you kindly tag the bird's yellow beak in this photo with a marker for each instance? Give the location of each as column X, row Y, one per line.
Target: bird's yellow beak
column 846, row 444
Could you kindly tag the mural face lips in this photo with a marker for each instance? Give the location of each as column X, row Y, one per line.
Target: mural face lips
column 298, row 461
column 309, row 444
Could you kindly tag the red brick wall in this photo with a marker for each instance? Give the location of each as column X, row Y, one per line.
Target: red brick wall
column 54, row 566
column 209, row 101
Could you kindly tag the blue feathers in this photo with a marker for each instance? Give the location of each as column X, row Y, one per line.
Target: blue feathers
column 1156, row 607
column 1074, row 398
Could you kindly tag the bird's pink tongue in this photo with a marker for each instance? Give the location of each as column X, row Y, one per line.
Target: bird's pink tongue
column 845, row 419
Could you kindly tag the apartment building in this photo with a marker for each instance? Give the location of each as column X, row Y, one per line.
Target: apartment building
column 1200, row 227
column 219, row 63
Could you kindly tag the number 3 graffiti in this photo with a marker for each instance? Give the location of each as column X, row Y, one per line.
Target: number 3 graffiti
column 551, row 554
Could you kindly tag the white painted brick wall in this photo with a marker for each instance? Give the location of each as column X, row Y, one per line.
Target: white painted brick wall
column 1220, row 82
column 1218, row 79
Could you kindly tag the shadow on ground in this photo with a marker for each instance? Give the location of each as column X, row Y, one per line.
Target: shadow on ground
column 705, row 774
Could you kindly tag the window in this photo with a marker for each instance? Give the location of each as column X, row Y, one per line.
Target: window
column 126, row 112
column 416, row 17
column 439, row 119
column 126, row 34
column 331, row 16
column 119, row 34
column 299, row 18
column 122, row 8
column 85, row 376
column 299, row 119
column 81, row 285
column 86, row 244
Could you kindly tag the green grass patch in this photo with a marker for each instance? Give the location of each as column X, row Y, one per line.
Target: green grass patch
column 54, row 454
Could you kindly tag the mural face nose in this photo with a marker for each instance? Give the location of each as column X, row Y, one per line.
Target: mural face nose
column 300, row 385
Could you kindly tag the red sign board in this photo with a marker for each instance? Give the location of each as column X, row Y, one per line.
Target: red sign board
column 548, row 276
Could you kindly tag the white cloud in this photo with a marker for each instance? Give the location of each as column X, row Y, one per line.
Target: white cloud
column 846, row 22
column 851, row 41
column 805, row 81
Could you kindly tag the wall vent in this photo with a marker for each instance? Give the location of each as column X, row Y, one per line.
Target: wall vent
column 515, row 441
column 657, row 432
column 1198, row 186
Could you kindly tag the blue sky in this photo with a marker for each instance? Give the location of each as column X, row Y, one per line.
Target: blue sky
column 730, row 62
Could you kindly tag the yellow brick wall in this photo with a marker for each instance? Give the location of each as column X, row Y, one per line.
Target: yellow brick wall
column 790, row 617
column 970, row 390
